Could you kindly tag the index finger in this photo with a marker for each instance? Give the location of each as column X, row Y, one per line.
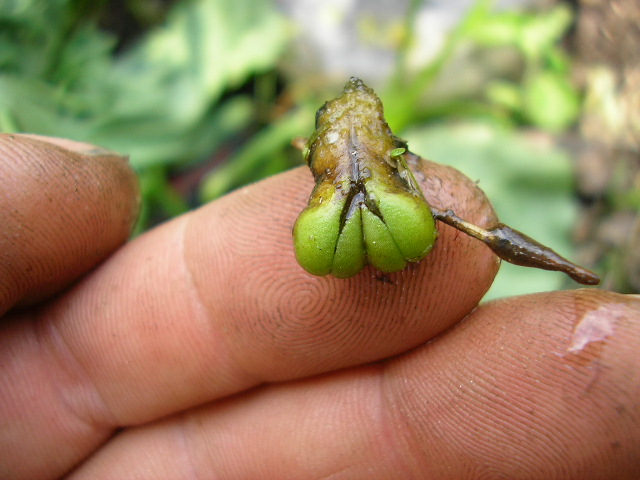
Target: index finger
column 282, row 322
column 213, row 303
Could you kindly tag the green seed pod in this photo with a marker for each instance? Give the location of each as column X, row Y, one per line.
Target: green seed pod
column 409, row 221
column 350, row 255
column 382, row 251
column 316, row 233
column 366, row 207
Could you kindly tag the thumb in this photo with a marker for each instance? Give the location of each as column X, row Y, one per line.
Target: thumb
column 64, row 207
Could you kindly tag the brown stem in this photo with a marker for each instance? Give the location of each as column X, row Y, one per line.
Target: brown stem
column 517, row 248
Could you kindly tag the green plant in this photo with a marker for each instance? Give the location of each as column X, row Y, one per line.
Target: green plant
column 160, row 101
column 545, row 96
column 542, row 96
column 367, row 207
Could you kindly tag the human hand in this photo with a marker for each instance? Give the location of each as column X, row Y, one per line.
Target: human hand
column 201, row 349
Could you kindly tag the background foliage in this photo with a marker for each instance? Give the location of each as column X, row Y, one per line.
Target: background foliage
column 194, row 94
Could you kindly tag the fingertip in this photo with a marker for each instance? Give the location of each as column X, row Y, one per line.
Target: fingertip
column 64, row 207
column 543, row 384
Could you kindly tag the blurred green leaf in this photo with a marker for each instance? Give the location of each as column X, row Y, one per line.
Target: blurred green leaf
column 161, row 198
column 146, row 102
column 550, row 101
column 498, row 30
column 528, row 181
column 159, row 101
column 505, row 94
column 257, row 156
column 402, row 97
column 542, row 32
column 543, row 96
column 207, row 46
column 533, row 33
